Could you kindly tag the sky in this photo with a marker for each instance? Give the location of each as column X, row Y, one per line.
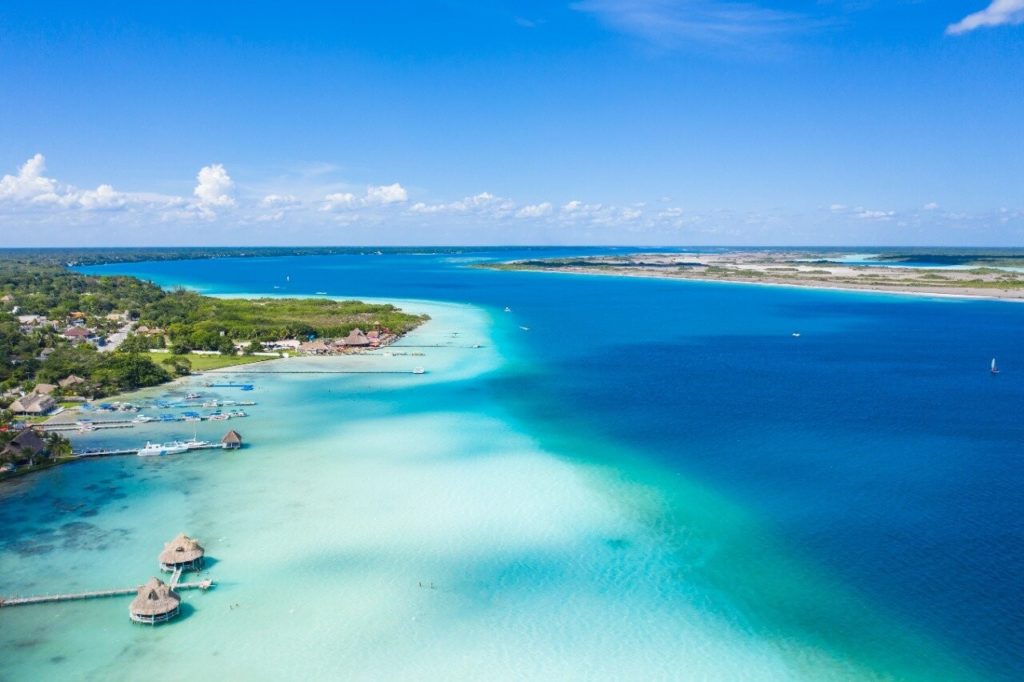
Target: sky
column 647, row 122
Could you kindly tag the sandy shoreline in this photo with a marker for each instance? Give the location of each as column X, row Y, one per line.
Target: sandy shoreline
column 951, row 292
column 805, row 269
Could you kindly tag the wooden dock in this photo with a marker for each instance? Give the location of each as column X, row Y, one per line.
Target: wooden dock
column 204, row 584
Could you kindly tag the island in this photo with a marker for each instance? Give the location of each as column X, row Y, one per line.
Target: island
column 952, row 273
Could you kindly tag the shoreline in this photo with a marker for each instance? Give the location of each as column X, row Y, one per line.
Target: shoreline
column 816, row 285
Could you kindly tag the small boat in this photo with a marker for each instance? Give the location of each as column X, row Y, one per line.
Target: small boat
column 194, row 444
column 507, row 309
column 220, row 417
column 159, row 449
column 796, row 335
column 142, row 419
column 211, row 403
column 994, row 369
column 192, row 396
column 525, row 329
column 419, row 370
column 237, row 413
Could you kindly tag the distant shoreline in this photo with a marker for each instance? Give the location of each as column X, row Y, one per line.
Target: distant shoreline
column 790, row 269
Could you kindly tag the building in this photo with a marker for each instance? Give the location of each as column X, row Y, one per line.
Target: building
column 155, row 603
column 70, row 381
column 25, row 446
column 317, row 347
column 78, row 334
column 182, row 552
column 44, row 389
column 231, row 440
column 33, row 404
column 355, row 339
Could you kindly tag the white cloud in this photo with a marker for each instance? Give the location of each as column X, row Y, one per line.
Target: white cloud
column 483, row 203
column 376, row 195
column 670, row 23
column 386, row 194
column 29, row 184
column 837, row 208
column 103, row 197
column 214, row 187
column 338, row 200
column 279, row 201
column 535, row 210
column 931, row 206
column 999, row 13
column 868, row 214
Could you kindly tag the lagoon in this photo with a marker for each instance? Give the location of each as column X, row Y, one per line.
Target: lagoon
column 657, row 480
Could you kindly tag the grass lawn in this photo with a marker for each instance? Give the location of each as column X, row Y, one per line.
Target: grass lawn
column 201, row 363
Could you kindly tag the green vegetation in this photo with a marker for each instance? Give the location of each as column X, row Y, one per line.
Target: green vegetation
column 195, row 322
column 36, row 283
column 204, row 363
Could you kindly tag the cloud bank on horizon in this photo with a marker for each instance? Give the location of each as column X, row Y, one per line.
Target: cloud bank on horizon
column 60, row 213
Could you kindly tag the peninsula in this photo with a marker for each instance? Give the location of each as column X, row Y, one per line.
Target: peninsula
column 999, row 276
column 69, row 337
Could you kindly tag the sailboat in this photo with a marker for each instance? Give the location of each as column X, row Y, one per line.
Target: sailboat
column 994, row 370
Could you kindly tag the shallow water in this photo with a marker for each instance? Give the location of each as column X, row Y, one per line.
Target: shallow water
column 655, row 481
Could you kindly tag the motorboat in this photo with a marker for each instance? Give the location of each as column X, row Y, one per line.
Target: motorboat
column 159, row 449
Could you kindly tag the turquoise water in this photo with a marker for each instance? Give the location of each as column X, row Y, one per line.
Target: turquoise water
column 655, row 481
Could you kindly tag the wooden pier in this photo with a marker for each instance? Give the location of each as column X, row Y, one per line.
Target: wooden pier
column 135, row 451
column 204, row 584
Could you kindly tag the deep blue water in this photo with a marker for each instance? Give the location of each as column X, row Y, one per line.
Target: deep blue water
column 876, row 445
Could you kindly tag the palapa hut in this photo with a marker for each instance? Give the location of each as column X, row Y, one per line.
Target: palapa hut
column 231, row 440
column 155, row 603
column 182, row 552
column 25, row 446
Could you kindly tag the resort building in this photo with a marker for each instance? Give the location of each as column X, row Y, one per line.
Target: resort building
column 33, row 404
column 182, row 552
column 231, row 440
column 155, row 603
column 70, row 381
column 44, row 389
column 77, row 334
column 316, row 347
column 25, row 446
column 355, row 339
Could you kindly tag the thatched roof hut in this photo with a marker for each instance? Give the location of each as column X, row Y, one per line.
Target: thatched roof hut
column 231, row 440
column 25, row 445
column 182, row 552
column 155, row 603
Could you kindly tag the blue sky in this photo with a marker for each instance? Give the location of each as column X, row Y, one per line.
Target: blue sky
column 589, row 121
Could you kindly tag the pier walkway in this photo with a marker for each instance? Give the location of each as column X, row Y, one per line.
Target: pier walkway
column 204, row 584
column 135, row 451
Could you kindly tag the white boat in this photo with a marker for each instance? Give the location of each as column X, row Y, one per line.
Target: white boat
column 192, row 396
column 196, row 444
column 796, row 335
column 507, row 309
column 994, row 369
column 219, row 417
column 419, row 370
column 158, row 449
column 142, row 419
column 525, row 329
